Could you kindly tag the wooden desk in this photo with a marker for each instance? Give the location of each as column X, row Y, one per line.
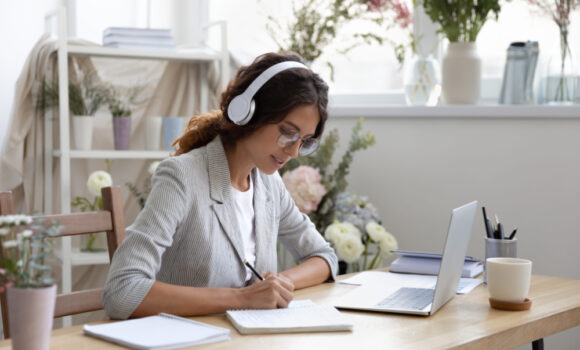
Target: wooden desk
column 466, row 322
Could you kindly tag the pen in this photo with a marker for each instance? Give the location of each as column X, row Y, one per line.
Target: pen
column 247, row 263
column 513, row 233
column 500, row 231
column 486, row 224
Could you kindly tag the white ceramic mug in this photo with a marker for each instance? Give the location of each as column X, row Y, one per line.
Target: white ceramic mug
column 508, row 279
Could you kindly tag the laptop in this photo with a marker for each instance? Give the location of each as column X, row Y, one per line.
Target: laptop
column 416, row 294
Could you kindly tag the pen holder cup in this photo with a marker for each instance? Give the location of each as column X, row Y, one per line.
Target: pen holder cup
column 499, row 248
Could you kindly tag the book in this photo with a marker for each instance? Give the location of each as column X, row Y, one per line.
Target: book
column 160, row 332
column 132, row 31
column 428, row 264
column 300, row 316
column 138, row 40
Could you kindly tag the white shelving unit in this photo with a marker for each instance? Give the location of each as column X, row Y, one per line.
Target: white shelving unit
column 197, row 55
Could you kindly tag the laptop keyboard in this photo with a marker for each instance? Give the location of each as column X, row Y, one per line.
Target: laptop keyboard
column 408, row 298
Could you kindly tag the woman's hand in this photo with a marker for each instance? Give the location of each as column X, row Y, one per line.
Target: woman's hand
column 275, row 291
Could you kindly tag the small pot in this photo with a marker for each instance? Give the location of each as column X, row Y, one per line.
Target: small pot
column 30, row 316
column 122, row 132
column 83, row 131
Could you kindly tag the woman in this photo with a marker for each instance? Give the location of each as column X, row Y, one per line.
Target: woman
column 220, row 201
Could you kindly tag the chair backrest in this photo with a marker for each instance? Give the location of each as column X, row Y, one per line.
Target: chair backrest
column 110, row 219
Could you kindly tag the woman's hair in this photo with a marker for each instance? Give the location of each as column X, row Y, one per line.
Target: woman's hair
column 282, row 93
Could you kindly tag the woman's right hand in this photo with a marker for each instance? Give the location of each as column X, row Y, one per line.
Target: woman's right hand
column 275, row 291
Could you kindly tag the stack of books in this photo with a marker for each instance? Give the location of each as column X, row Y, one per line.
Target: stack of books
column 138, row 38
column 429, row 264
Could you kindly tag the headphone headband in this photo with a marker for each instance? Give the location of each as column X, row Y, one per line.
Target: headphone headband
column 241, row 108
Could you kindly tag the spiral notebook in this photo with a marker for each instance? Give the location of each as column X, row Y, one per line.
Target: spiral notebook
column 300, row 316
column 160, row 332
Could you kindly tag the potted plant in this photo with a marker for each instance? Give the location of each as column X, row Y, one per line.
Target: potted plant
column 25, row 278
column 85, row 98
column 460, row 21
column 316, row 24
column 97, row 180
column 121, row 103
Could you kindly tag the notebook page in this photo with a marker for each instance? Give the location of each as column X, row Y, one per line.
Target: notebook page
column 300, row 316
column 157, row 332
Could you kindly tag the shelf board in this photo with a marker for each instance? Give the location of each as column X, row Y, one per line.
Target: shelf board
column 79, row 258
column 455, row 111
column 202, row 54
column 112, row 154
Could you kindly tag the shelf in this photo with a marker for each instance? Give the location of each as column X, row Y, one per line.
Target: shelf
column 112, row 154
column 201, row 54
column 456, row 111
column 78, row 258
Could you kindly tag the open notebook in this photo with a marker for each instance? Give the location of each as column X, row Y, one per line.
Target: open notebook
column 300, row 316
column 160, row 332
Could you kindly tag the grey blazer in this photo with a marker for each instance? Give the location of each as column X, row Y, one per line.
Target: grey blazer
column 186, row 234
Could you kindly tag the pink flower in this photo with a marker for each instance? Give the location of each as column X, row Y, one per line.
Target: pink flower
column 402, row 14
column 304, row 186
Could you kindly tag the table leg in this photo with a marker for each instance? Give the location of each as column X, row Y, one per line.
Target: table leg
column 538, row 344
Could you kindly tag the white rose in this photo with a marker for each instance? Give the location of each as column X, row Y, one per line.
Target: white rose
column 388, row 243
column 153, row 166
column 10, row 244
column 7, row 220
column 335, row 231
column 98, row 180
column 349, row 248
column 376, row 232
column 26, row 233
column 4, row 231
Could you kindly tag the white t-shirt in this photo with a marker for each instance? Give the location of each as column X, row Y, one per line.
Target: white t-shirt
column 244, row 208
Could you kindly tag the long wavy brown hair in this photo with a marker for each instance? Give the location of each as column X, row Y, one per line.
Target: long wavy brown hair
column 282, row 93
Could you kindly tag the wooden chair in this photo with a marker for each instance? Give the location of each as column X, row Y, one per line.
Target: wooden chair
column 110, row 219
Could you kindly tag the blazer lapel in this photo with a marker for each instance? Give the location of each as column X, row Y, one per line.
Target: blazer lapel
column 221, row 194
column 263, row 226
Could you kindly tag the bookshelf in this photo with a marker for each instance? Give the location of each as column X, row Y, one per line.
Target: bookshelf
column 63, row 153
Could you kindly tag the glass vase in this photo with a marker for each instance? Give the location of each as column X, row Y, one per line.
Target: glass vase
column 423, row 82
column 560, row 81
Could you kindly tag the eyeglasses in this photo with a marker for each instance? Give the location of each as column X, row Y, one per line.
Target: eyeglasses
column 288, row 138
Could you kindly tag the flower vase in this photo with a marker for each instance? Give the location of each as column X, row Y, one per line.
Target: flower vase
column 153, row 133
column 423, row 82
column 122, row 132
column 560, row 83
column 461, row 74
column 82, row 131
column 30, row 316
column 172, row 129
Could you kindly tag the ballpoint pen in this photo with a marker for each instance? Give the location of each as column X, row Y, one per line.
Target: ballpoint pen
column 247, row 263
column 513, row 233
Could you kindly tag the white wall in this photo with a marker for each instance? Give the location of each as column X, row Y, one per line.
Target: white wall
column 21, row 24
column 525, row 170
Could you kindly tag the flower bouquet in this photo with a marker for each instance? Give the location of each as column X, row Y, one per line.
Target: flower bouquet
column 341, row 216
column 95, row 182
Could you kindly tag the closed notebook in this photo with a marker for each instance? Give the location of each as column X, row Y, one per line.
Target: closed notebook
column 158, row 332
column 300, row 316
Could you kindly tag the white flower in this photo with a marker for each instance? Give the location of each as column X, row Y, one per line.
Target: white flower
column 27, row 233
column 388, row 243
column 153, row 166
column 4, row 231
column 10, row 244
column 7, row 220
column 303, row 184
column 98, row 180
column 349, row 248
column 376, row 231
column 335, row 231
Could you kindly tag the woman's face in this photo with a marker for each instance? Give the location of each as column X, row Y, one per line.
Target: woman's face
column 263, row 148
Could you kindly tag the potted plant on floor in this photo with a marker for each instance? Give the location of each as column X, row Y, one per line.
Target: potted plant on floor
column 25, row 278
column 460, row 21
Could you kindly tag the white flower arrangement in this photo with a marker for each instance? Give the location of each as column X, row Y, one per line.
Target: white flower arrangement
column 24, row 250
column 98, row 180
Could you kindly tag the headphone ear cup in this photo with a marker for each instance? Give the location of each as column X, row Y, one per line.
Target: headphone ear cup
column 239, row 110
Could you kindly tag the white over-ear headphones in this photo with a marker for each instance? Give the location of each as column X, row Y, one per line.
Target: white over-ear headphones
column 241, row 108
